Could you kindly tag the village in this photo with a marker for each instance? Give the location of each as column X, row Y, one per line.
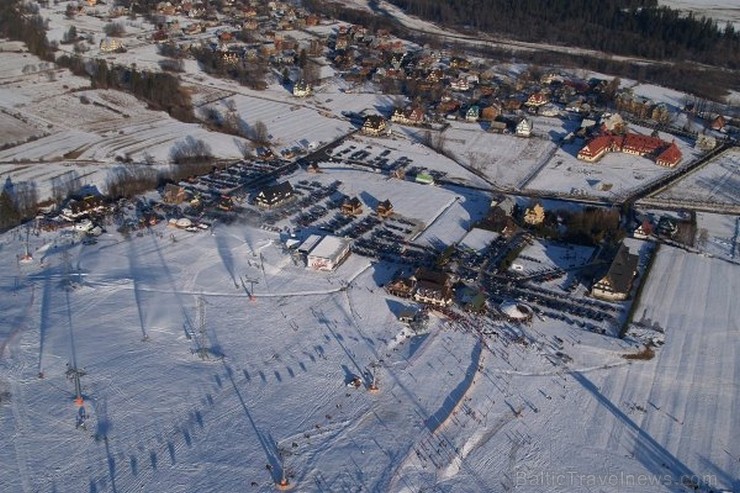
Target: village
column 395, row 258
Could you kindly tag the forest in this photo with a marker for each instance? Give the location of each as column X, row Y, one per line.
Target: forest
column 623, row 27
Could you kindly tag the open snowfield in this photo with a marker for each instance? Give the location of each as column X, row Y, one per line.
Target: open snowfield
column 722, row 11
column 505, row 160
column 718, row 235
column 613, row 176
column 455, row 411
column 718, row 182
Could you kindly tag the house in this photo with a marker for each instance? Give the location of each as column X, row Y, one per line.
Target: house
column 524, row 128
column 410, row 116
column 498, row 127
column 274, row 195
column 670, row 157
column 644, row 230
column 111, row 45
column 352, row 207
column 77, row 209
column 432, row 287
column 173, row 194
column 460, row 84
column 596, row 148
column 402, row 287
column 424, row 179
column 534, row 215
column 536, row 100
column 665, row 154
column 506, row 204
column 374, row 125
column 328, row 253
column 473, row 113
column 490, row 113
column 384, row 209
column 617, row 283
column 301, row 89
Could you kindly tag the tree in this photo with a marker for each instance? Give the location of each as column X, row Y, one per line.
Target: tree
column 114, row 29
column 191, row 150
column 260, row 134
column 9, row 215
column 70, row 36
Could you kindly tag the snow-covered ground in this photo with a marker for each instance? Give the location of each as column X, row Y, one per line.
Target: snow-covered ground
column 717, row 182
column 722, row 11
column 455, row 411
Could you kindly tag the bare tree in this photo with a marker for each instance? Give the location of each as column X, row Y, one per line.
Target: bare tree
column 260, row 134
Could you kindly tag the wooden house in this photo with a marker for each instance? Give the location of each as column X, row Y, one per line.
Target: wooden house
column 352, row 207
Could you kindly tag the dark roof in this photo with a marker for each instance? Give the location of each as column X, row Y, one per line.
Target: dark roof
column 354, row 202
column 386, row 204
column 622, row 270
column 275, row 193
column 426, row 277
column 374, row 121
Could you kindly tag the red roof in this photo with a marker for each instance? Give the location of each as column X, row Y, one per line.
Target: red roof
column 596, row 146
column 643, row 144
column 671, row 156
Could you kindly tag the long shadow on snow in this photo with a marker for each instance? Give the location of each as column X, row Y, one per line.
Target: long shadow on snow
column 269, row 445
column 135, row 269
column 444, row 411
column 647, row 451
column 224, row 252
column 170, row 279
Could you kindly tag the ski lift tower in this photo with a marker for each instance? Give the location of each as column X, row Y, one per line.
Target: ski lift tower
column 251, row 282
column 74, row 373
column 374, row 382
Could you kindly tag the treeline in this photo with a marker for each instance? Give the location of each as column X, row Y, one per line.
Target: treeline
column 624, row 27
column 247, row 73
column 160, row 90
column 17, row 203
column 21, row 22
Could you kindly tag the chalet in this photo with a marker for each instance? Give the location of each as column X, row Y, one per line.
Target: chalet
column 617, row 283
column 173, row 194
column 434, row 288
column 78, row 209
column 644, row 230
column 524, row 128
column 374, row 125
column 536, row 100
column 460, row 84
column 384, row 209
column 352, row 207
column 301, row 89
column 670, row 157
column 403, row 288
column 596, row 148
column 274, row 195
column 410, row 116
column 111, row 45
column 473, row 113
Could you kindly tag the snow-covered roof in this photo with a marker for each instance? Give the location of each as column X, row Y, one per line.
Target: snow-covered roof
column 329, row 247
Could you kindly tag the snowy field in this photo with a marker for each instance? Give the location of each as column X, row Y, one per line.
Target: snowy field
column 455, row 411
column 718, row 182
column 722, row 11
column 718, row 235
column 614, row 176
column 505, row 160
